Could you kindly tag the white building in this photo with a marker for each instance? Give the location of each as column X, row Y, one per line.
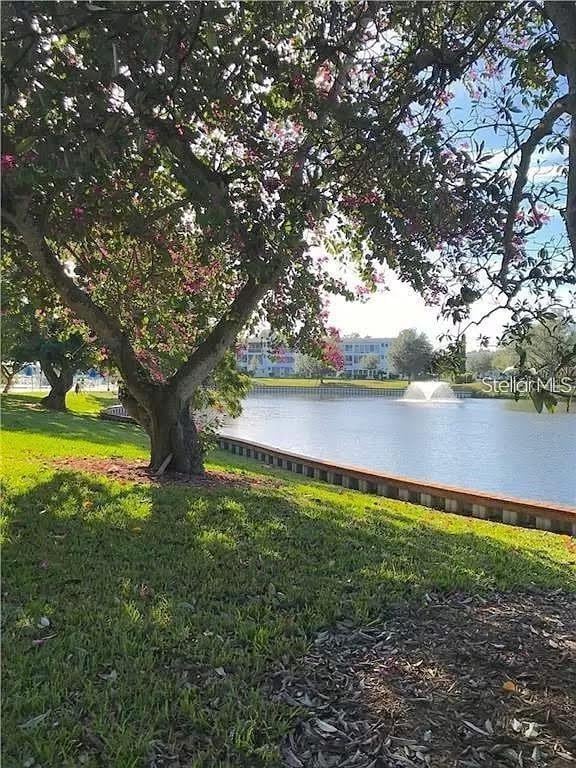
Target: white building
column 356, row 349
column 262, row 358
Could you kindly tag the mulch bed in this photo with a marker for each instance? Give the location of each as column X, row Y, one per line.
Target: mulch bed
column 136, row 472
column 457, row 681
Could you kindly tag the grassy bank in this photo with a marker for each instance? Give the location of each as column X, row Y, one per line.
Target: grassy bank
column 141, row 620
column 476, row 387
column 358, row 383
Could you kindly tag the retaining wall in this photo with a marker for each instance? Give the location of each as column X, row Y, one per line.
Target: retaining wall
column 504, row 509
column 337, row 391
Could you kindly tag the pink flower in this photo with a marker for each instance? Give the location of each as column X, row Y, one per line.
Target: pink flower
column 324, row 79
column 193, row 286
column 78, row 213
column 151, row 136
column 538, row 217
column 298, row 80
column 369, row 198
column 444, row 98
column 8, row 162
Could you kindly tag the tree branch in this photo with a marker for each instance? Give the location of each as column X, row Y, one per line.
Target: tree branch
column 108, row 330
column 563, row 16
column 543, row 128
column 209, row 353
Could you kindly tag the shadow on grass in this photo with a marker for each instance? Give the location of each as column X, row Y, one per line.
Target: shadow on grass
column 167, row 605
column 23, row 413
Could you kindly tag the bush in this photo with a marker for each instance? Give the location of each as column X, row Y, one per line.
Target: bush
column 463, row 378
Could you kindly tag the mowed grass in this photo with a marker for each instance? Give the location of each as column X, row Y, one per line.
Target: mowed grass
column 476, row 387
column 165, row 608
column 358, row 383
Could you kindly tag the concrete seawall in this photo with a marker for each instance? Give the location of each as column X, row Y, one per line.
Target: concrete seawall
column 559, row 518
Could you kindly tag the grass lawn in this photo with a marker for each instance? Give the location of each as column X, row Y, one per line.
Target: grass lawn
column 361, row 383
column 476, row 386
column 141, row 620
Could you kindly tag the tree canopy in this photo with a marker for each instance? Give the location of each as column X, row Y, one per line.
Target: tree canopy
column 370, row 362
column 168, row 168
column 37, row 327
column 411, row 353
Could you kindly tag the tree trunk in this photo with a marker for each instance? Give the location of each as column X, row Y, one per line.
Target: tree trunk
column 173, row 433
column 8, row 382
column 563, row 17
column 170, row 426
column 60, row 383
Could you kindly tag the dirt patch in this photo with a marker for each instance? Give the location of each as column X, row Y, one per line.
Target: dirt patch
column 458, row 681
column 136, row 472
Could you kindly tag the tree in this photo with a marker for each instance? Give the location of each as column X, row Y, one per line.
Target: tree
column 61, row 353
column 310, row 367
column 547, row 362
column 479, row 361
column 505, row 357
column 370, row 362
column 459, row 355
column 330, row 362
column 206, row 147
column 17, row 316
column 550, row 347
column 10, row 369
column 36, row 327
column 543, row 359
column 451, row 360
column 411, row 353
column 13, row 360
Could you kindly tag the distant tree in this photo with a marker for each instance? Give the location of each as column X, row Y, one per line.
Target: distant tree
column 62, row 352
column 14, row 334
column 505, row 357
column 309, row 367
column 460, row 355
column 330, row 362
column 450, row 361
column 17, row 313
column 10, row 369
column 37, row 327
column 411, row 353
column 370, row 362
column 479, row 361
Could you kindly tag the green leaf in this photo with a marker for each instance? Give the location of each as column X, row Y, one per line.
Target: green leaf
column 538, row 400
column 210, row 38
column 25, row 144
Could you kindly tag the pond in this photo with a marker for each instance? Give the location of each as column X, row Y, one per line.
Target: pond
column 488, row 445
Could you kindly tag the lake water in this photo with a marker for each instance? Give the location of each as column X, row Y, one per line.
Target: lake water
column 487, row 445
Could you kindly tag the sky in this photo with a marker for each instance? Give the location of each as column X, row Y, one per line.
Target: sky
column 389, row 312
